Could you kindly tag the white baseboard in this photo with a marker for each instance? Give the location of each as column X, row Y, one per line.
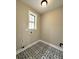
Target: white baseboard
column 22, row 49
column 59, row 48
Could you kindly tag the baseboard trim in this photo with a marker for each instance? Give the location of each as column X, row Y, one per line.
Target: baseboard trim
column 59, row 48
column 22, row 49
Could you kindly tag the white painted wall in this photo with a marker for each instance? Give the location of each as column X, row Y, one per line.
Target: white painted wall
column 49, row 26
column 52, row 26
column 22, row 32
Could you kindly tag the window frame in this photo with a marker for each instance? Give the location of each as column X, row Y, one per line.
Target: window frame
column 35, row 20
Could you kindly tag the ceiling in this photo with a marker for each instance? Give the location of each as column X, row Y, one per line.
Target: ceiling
column 36, row 4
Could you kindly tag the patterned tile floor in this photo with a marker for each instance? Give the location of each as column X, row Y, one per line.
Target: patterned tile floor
column 40, row 51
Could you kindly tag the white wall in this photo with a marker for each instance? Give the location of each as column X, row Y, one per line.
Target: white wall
column 49, row 26
column 52, row 26
column 22, row 24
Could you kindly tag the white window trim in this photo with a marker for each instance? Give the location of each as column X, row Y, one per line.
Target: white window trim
column 30, row 12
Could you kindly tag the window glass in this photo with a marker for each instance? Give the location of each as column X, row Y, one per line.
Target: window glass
column 32, row 21
column 31, row 18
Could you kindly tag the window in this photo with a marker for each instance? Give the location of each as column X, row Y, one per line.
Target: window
column 32, row 20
